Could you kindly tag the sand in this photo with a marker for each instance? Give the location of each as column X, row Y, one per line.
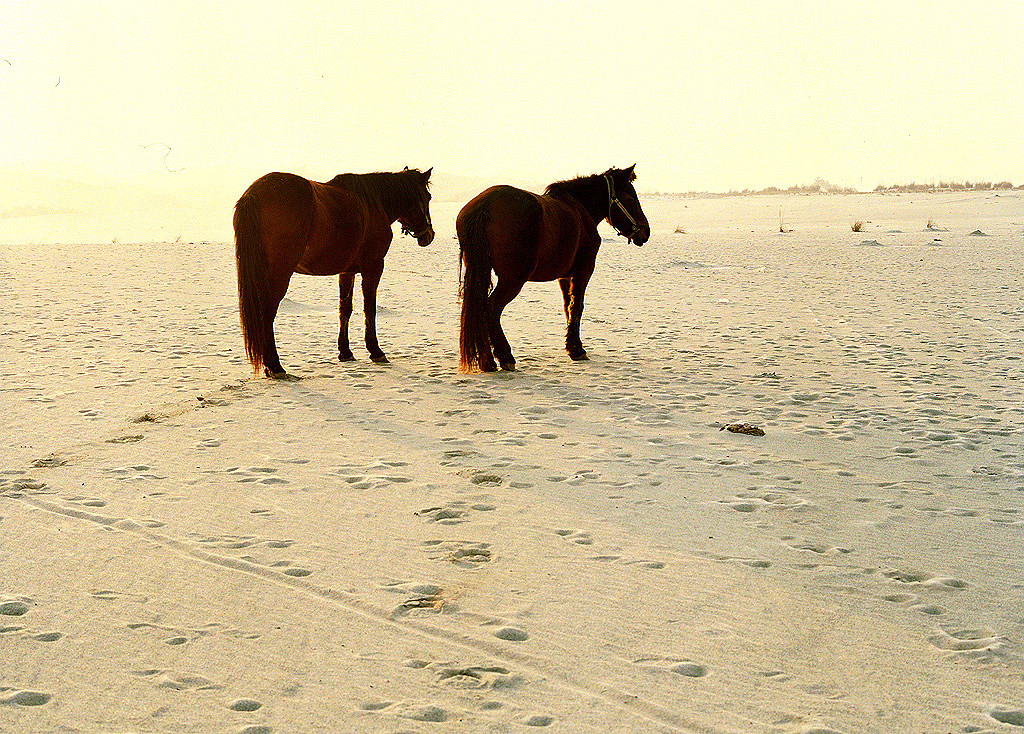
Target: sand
column 573, row 547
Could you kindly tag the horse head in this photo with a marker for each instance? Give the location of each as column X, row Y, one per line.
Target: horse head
column 416, row 220
column 624, row 211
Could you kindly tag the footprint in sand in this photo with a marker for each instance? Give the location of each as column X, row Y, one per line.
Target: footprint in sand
column 297, row 572
column 454, row 512
column 133, row 438
column 47, row 462
column 474, row 677
column 24, row 698
column 420, row 712
column 178, row 681
column 285, row 566
column 47, row 636
column 244, row 704
column 539, row 720
column 900, row 598
column 821, row 549
column 968, row 641
column 255, row 543
column 1013, row 717
column 512, row 634
column 462, row 553
column 751, row 562
column 922, row 578
column 86, row 501
column 450, row 514
column 14, row 607
column 580, row 537
column 421, row 597
column 109, row 595
column 168, row 635
column 679, row 666
column 653, row 565
column 262, row 474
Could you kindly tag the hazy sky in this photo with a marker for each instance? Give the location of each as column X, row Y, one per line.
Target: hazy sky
column 711, row 95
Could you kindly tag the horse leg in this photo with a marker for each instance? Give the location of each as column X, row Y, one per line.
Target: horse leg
column 370, row 281
column 566, row 285
column 573, row 289
column 346, row 282
column 271, row 361
column 500, row 297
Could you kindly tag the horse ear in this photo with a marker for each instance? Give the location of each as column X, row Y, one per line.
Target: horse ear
column 426, row 175
column 632, row 175
column 405, row 168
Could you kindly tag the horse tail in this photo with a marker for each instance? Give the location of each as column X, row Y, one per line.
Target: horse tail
column 253, row 280
column 474, row 335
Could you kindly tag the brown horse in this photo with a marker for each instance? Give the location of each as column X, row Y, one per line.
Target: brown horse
column 287, row 224
column 526, row 237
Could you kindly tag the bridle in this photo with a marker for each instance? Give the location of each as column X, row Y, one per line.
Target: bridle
column 428, row 227
column 613, row 200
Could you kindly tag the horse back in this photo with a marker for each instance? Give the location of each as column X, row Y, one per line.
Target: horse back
column 531, row 237
column 346, row 233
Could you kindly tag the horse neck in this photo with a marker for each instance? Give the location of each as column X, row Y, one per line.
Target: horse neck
column 378, row 190
column 592, row 196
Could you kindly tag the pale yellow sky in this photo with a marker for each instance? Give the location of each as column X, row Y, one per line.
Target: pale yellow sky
column 710, row 95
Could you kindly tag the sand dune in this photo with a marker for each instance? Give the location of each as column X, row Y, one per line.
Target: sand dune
column 571, row 547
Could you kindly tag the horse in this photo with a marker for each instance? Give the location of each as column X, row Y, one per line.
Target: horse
column 522, row 237
column 287, row 224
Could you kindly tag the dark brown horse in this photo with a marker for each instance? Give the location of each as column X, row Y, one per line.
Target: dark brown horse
column 525, row 237
column 287, row 224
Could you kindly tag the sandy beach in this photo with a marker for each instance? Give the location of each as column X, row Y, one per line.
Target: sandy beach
column 573, row 547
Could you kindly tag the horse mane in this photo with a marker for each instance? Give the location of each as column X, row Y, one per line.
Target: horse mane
column 572, row 187
column 575, row 186
column 390, row 191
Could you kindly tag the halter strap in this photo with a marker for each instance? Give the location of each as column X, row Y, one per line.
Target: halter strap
column 427, row 227
column 613, row 200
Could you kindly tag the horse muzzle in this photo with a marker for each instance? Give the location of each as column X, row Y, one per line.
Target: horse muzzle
column 425, row 237
column 640, row 236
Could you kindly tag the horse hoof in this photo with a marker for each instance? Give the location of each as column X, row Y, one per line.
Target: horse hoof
column 379, row 359
column 509, row 366
column 580, row 357
column 346, row 357
column 282, row 376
